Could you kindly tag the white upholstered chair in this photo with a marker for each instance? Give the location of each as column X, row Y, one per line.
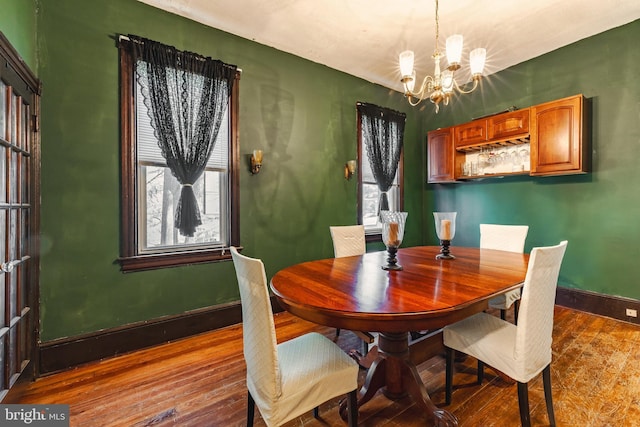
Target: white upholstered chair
column 509, row 238
column 520, row 351
column 288, row 379
column 349, row 240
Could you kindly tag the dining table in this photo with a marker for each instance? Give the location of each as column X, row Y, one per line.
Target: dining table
column 356, row 293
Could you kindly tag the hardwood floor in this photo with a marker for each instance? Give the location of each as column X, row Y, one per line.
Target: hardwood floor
column 200, row 381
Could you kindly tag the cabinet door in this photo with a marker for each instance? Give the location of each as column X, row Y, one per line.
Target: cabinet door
column 514, row 124
column 558, row 137
column 440, row 156
column 471, row 133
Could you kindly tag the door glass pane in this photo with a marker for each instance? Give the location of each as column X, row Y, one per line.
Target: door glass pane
column 24, row 228
column 22, row 282
column 14, row 118
column 3, row 323
column 24, row 267
column 24, row 181
column 3, row 340
column 12, row 255
column 13, row 177
column 24, row 128
column 13, row 354
column 3, row 110
column 3, row 276
column 3, row 173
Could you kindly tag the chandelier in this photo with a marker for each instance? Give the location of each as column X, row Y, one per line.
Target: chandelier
column 439, row 87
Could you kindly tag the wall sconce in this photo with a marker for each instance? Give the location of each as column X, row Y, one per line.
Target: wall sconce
column 349, row 169
column 256, row 161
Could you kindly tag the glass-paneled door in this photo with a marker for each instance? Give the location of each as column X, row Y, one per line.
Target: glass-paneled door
column 19, row 172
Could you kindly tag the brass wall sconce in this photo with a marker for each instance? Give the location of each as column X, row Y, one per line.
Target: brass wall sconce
column 256, row 161
column 349, row 169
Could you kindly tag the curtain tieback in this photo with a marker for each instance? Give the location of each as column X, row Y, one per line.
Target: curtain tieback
column 187, row 185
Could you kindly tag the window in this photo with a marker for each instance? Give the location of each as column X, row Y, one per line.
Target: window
column 151, row 192
column 368, row 192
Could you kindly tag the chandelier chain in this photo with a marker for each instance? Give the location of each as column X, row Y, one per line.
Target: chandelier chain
column 437, row 50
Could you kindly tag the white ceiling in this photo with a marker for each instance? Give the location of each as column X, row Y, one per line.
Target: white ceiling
column 364, row 37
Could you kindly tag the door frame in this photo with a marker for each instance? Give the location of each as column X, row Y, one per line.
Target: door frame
column 19, row 76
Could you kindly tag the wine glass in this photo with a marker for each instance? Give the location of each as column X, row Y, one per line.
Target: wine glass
column 524, row 158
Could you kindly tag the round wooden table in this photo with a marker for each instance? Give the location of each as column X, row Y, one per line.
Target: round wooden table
column 355, row 293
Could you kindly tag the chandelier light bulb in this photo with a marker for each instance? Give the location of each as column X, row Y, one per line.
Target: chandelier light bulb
column 454, row 50
column 477, row 59
column 447, row 81
column 406, row 63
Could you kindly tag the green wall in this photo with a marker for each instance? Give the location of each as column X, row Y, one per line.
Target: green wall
column 300, row 113
column 18, row 24
column 597, row 213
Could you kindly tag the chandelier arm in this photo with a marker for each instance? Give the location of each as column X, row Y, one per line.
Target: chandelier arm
column 427, row 84
column 413, row 104
column 475, row 85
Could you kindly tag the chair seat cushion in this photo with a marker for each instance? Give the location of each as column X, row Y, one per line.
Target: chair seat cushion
column 479, row 336
column 313, row 369
column 505, row 301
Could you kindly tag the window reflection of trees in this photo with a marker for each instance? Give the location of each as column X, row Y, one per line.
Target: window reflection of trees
column 163, row 191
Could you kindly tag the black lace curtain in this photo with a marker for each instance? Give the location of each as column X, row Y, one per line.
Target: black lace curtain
column 383, row 133
column 186, row 95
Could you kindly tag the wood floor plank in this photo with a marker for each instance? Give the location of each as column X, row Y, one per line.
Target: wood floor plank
column 200, row 382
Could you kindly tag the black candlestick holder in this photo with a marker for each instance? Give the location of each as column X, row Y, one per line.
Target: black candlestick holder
column 444, row 250
column 392, row 261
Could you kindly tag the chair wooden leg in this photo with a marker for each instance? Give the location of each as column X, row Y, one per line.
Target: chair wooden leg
column 337, row 334
column 523, row 403
column 316, row 412
column 448, row 382
column 352, row 408
column 546, row 379
column 516, row 308
column 251, row 405
column 480, row 371
column 503, row 314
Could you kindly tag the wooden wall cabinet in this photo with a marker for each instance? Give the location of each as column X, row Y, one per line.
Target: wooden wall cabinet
column 556, row 133
column 440, row 156
column 511, row 125
column 559, row 137
column 472, row 133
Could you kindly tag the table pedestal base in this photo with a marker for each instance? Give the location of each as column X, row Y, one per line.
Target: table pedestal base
column 394, row 372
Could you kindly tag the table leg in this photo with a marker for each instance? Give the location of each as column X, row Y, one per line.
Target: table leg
column 394, row 372
column 418, row 392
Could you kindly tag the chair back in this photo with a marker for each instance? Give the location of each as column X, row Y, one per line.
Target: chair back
column 509, row 238
column 535, row 320
column 258, row 329
column 348, row 240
